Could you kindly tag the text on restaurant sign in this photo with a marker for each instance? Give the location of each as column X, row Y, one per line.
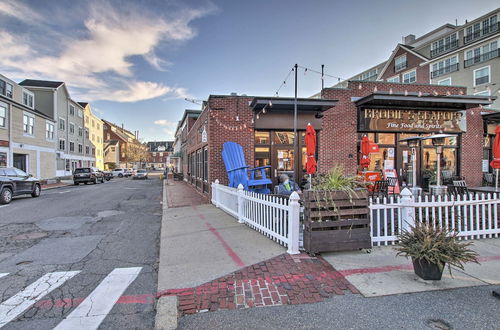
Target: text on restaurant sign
column 412, row 120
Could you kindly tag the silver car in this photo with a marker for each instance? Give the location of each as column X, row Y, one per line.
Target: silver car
column 141, row 174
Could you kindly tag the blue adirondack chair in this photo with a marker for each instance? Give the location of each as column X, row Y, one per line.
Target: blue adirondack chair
column 238, row 171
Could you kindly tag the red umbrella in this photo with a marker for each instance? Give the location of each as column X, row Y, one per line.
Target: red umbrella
column 310, row 140
column 367, row 147
column 495, row 163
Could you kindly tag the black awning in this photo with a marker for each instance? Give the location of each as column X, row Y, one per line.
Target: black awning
column 287, row 104
column 414, row 100
column 491, row 116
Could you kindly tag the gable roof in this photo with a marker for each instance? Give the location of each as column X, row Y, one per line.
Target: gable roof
column 83, row 104
column 409, row 49
column 41, row 83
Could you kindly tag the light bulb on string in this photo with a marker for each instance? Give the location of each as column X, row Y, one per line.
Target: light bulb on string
column 237, row 118
column 406, row 92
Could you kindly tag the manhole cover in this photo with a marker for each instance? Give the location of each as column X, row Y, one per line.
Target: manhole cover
column 439, row 324
column 24, row 262
column 31, row 235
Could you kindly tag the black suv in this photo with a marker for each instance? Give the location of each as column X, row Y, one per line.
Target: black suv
column 14, row 182
column 86, row 175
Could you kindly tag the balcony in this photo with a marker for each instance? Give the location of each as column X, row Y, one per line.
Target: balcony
column 401, row 66
column 444, row 49
column 482, row 58
column 444, row 70
column 490, row 29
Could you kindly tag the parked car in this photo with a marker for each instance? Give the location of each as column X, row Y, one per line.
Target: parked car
column 141, row 174
column 86, row 175
column 131, row 171
column 119, row 172
column 14, row 182
column 107, row 175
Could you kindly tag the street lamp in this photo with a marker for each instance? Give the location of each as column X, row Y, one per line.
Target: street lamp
column 438, row 141
column 413, row 143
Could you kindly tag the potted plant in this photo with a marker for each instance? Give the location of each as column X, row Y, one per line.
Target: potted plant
column 336, row 213
column 432, row 248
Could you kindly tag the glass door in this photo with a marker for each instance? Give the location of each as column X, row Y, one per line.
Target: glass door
column 285, row 161
column 405, row 165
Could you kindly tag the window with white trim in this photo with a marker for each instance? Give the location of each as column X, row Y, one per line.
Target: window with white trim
column 400, row 63
column 49, row 131
column 71, row 128
column 6, row 88
column 28, row 124
column 71, row 146
column 369, row 75
column 3, row 115
column 80, row 131
column 394, row 79
column 482, row 53
column 62, row 124
column 410, row 77
column 71, row 109
column 445, row 66
column 80, row 113
column 87, row 133
column 87, row 150
column 28, row 99
column 445, row 44
column 80, row 148
column 445, row 82
column 482, row 76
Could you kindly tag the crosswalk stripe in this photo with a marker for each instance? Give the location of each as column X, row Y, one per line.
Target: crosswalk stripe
column 3, row 274
column 17, row 304
column 92, row 311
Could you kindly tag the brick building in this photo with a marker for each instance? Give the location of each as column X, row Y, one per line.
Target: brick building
column 159, row 153
column 386, row 112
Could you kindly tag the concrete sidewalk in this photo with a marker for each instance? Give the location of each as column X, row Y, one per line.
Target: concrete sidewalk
column 200, row 243
column 381, row 273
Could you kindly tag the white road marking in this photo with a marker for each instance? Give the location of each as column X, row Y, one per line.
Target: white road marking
column 92, row 311
column 16, row 305
column 3, row 274
column 3, row 206
column 64, row 191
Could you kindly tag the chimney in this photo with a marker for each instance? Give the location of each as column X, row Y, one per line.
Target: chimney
column 234, row 94
column 409, row 39
column 122, row 127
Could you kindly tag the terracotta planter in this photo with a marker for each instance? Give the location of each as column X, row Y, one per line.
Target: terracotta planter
column 427, row 270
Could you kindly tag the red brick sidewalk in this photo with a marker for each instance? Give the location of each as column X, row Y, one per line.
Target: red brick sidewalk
column 181, row 194
column 281, row 280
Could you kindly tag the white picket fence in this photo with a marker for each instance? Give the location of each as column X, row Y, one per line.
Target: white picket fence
column 473, row 216
column 275, row 217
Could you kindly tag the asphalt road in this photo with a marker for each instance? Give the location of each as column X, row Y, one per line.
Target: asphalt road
column 466, row 308
column 75, row 250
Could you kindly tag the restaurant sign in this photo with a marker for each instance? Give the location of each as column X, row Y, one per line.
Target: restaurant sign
column 394, row 120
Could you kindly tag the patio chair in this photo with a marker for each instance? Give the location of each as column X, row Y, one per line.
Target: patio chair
column 488, row 179
column 459, row 183
column 379, row 189
column 238, row 171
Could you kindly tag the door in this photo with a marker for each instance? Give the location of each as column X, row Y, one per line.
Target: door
column 20, row 161
column 405, row 165
column 284, row 162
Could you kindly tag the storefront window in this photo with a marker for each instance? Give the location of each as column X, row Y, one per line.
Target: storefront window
column 383, row 159
column 386, row 138
column 262, row 138
column 283, row 138
column 451, row 141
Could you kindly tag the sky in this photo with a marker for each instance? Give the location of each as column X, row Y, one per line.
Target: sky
column 137, row 61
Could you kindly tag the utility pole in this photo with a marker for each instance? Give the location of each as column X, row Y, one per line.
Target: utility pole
column 322, row 75
column 295, row 137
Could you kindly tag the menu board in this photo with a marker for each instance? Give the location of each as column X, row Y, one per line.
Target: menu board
column 392, row 174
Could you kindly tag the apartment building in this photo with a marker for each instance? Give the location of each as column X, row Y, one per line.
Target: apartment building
column 159, row 153
column 27, row 135
column 185, row 124
column 124, row 138
column 460, row 55
column 94, row 139
column 54, row 100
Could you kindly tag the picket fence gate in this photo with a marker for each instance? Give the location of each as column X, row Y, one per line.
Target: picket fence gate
column 275, row 217
column 473, row 216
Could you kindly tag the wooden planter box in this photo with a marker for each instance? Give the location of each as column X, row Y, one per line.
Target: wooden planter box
column 335, row 222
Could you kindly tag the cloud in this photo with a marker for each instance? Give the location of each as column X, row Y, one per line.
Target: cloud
column 164, row 122
column 99, row 61
column 18, row 10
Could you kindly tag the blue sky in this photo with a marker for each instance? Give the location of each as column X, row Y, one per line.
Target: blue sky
column 136, row 61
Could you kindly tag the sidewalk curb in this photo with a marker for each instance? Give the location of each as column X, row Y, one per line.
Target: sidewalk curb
column 166, row 306
column 49, row 188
